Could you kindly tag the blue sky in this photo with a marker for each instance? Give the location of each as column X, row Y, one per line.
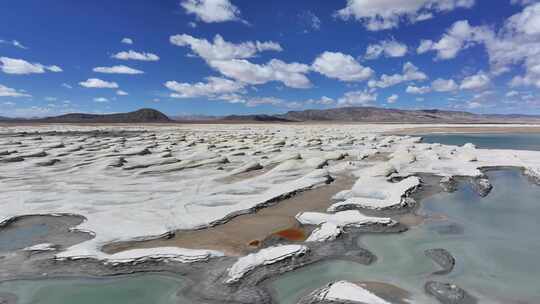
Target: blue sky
column 218, row 57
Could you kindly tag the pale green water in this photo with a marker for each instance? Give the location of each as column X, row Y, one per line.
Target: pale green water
column 14, row 239
column 496, row 247
column 495, row 242
column 140, row 289
column 518, row 141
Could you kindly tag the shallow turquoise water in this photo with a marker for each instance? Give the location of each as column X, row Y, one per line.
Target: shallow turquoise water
column 140, row 289
column 21, row 237
column 518, row 141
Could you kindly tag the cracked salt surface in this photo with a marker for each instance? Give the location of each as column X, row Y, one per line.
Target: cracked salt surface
column 137, row 183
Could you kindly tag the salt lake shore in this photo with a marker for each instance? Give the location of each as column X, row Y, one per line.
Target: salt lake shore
column 230, row 207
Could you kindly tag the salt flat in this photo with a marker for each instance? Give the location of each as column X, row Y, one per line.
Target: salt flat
column 141, row 182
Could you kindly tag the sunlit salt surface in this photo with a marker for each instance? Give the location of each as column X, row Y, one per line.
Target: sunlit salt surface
column 140, row 289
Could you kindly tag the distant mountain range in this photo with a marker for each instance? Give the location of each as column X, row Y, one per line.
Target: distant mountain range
column 378, row 115
column 347, row 114
column 139, row 116
column 384, row 115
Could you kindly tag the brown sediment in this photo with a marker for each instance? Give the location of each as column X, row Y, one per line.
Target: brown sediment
column 292, row 234
column 411, row 219
column 246, row 232
column 389, row 292
column 467, row 129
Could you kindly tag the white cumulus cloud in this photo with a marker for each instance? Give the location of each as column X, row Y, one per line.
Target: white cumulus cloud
column 290, row 74
column 475, row 82
column 341, row 66
column 98, row 83
column 127, row 40
column 219, row 49
column 410, row 73
column 133, row 55
column 444, row 85
column 101, row 99
column 392, row 98
column 357, row 98
column 213, row 87
column 10, row 92
column 459, row 37
column 211, row 11
column 418, row 90
column 388, row 48
column 386, row 14
column 117, row 69
column 22, row 67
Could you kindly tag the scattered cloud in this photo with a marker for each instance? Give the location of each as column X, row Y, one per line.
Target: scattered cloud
column 341, row 66
column 480, row 100
column 290, row 74
column 357, row 98
column 98, row 83
column 67, row 86
column 382, row 15
column 418, row 90
column 10, row 92
column 257, row 101
column 230, row 60
column 219, row 49
column 512, row 94
column 410, row 73
column 515, row 43
column 310, row 21
column 444, row 85
column 475, row 82
column 523, row 2
column 101, row 99
column 212, row 88
column 133, row 55
column 14, row 43
column 23, row 67
column 388, row 48
column 121, row 93
column 211, row 11
column 392, row 98
column 127, row 40
column 459, row 37
column 33, row 111
column 324, row 100
column 117, row 69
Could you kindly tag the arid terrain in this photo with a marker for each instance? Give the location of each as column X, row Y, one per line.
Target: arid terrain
column 258, row 194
